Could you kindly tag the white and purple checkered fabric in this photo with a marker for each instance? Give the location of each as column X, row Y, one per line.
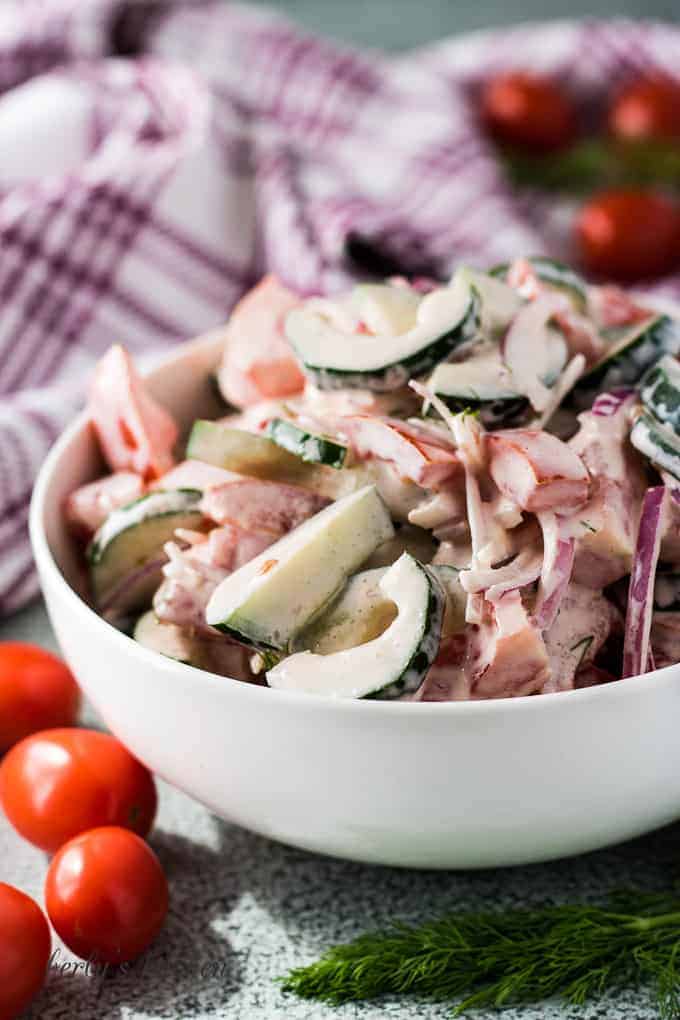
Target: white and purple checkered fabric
column 140, row 195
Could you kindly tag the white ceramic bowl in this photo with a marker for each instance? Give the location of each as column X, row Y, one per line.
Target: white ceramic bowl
column 422, row 785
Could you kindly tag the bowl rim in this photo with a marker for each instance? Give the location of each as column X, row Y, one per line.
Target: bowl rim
column 48, row 566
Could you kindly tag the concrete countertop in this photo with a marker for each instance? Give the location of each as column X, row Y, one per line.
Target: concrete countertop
column 244, row 910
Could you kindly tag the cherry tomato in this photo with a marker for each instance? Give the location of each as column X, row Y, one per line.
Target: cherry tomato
column 106, row 895
column 528, row 110
column 57, row 784
column 628, row 235
column 25, row 945
column 647, row 108
column 37, row 692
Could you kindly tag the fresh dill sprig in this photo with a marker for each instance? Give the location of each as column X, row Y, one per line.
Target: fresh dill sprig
column 515, row 957
column 597, row 163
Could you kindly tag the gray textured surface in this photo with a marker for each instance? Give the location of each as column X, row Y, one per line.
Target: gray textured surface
column 244, row 910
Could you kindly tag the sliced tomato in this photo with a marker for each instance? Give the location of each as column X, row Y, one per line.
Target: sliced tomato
column 258, row 363
column 537, row 470
column 425, row 461
column 135, row 432
column 194, row 474
column 258, row 505
column 230, row 546
column 512, row 659
column 88, row 507
column 612, row 306
column 523, row 278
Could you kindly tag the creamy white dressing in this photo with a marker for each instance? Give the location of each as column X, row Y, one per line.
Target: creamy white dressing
column 574, row 639
column 438, row 508
column 483, row 377
column 386, row 310
column 340, row 312
column 320, row 342
column 384, row 661
column 524, row 606
column 270, row 598
column 500, row 303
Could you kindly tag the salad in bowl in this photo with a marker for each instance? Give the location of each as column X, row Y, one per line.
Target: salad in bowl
column 418, row 491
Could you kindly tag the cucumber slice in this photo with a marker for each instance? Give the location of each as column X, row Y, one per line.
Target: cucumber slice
column 554, row 274
column 388, row 666
column 259, row 456
column 456, row 598
column 657, row 442
column 215, row 656
column 484, row 384
column 630, row 356
column 133, row 536
column 499, row 302
column 493, row 414
column 408, row 538
column 447, row 318
column 268, row 600
column 244, row 452
column 164, row 638
column 558, row 355
column 660, row 392
column 306, row 445
column 479, row 379
column 386, row 310
column 362, row 612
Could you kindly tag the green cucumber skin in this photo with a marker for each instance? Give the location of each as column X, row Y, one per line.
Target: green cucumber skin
column 661, row 397
column 665, row 447
column 397, row 375
column 257, row 644
column 97, row 549
column 263, row 608
column 658, row 337
column 236, row 449
column 140, row 635
column 428, row 646
column 124, row 547
column 346, row 621
column 493, row 414
column 309, row 447
column 555, row 273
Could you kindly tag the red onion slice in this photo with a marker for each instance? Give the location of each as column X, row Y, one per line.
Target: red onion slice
column 526, row 350
column 606, row 405
column 641, row 589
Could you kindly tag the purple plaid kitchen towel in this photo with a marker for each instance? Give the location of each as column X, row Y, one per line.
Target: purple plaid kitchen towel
column 157, row 158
